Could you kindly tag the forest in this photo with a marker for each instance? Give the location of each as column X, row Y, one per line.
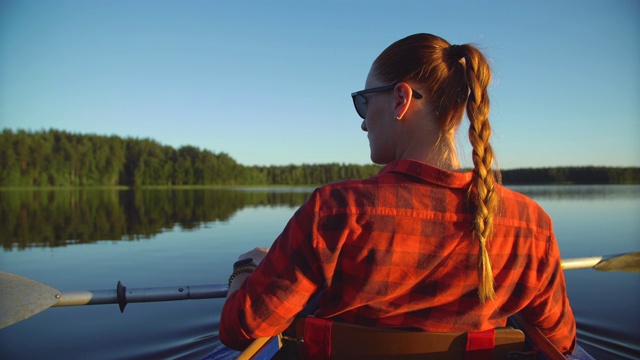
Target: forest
column 55, row 158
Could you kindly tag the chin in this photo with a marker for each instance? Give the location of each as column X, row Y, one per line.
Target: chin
column 379, row 157
column 379, row 161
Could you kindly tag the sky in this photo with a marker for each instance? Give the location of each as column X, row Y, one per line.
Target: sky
column 269, row 82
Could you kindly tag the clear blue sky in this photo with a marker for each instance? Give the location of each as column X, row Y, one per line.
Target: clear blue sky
column 268, row 82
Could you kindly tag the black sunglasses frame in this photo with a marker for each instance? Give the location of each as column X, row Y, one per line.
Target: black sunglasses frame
column 362, row 112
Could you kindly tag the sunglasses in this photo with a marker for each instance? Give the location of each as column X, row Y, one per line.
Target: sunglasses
column 360, row 102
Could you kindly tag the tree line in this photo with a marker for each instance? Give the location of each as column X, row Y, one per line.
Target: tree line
column 584, row 175
column 59, row 159
column 55, row 158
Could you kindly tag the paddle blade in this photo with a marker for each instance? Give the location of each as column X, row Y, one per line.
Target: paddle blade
column 628, row 262
column 21, row 298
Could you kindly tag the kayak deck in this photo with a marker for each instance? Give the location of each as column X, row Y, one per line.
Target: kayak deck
column 268, row 348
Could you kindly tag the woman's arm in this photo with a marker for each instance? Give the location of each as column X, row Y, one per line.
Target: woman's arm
column 550, row 311
column 265, row 301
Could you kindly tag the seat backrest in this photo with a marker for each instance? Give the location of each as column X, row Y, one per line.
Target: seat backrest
column 326, row 339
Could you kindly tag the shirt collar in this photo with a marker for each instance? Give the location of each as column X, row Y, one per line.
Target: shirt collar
column 429, row 173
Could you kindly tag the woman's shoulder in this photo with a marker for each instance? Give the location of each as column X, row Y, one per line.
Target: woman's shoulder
column 514, row 194
column 515, row 205
column 346, row 193
column 349, row 184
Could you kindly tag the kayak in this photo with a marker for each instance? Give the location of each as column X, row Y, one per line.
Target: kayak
column 268, row 348
column 535, row 346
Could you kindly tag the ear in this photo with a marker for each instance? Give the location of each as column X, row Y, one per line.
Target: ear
column 403, row 96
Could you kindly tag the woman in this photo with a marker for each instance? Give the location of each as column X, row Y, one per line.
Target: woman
column 421, row 245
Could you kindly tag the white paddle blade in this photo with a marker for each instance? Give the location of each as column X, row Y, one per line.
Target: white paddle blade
column 21, row 298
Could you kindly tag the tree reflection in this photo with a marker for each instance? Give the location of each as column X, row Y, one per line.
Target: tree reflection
column 51, row 218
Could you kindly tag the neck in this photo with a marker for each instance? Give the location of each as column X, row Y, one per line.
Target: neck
column 447, row 160
column 438, row 151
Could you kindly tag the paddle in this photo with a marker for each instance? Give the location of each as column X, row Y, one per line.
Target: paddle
column 629, row 262
column 22, row 298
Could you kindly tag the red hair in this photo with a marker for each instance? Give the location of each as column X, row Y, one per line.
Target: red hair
column 454, row 78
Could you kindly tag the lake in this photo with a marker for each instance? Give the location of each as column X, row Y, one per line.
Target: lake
column 90, row 239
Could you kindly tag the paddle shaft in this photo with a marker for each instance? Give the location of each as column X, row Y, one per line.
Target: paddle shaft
column 581, row 263
column 122, row 295
column 213, row 291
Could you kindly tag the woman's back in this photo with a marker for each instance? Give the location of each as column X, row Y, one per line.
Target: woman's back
column 397, row 251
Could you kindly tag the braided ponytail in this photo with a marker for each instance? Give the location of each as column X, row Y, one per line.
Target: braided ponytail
column 454, row 77
column 478, row 77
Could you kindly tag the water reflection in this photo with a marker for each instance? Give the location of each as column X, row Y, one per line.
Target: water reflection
column 51, row 218
column 578, row 192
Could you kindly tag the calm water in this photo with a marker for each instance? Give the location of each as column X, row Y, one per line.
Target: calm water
column 75, row 240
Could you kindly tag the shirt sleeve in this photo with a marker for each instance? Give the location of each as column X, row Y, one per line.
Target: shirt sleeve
column 550, row 311
column 268, row 300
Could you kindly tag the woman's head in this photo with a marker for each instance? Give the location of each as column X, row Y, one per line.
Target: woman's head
column 442, row 72
column 381, row 108
column 452, row 79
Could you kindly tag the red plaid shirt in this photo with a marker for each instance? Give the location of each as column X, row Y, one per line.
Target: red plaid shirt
column 395, row 250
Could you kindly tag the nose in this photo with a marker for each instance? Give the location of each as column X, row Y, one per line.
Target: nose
column 363, row 126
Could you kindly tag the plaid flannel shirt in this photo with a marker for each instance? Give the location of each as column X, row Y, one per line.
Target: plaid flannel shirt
column 396, row 251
